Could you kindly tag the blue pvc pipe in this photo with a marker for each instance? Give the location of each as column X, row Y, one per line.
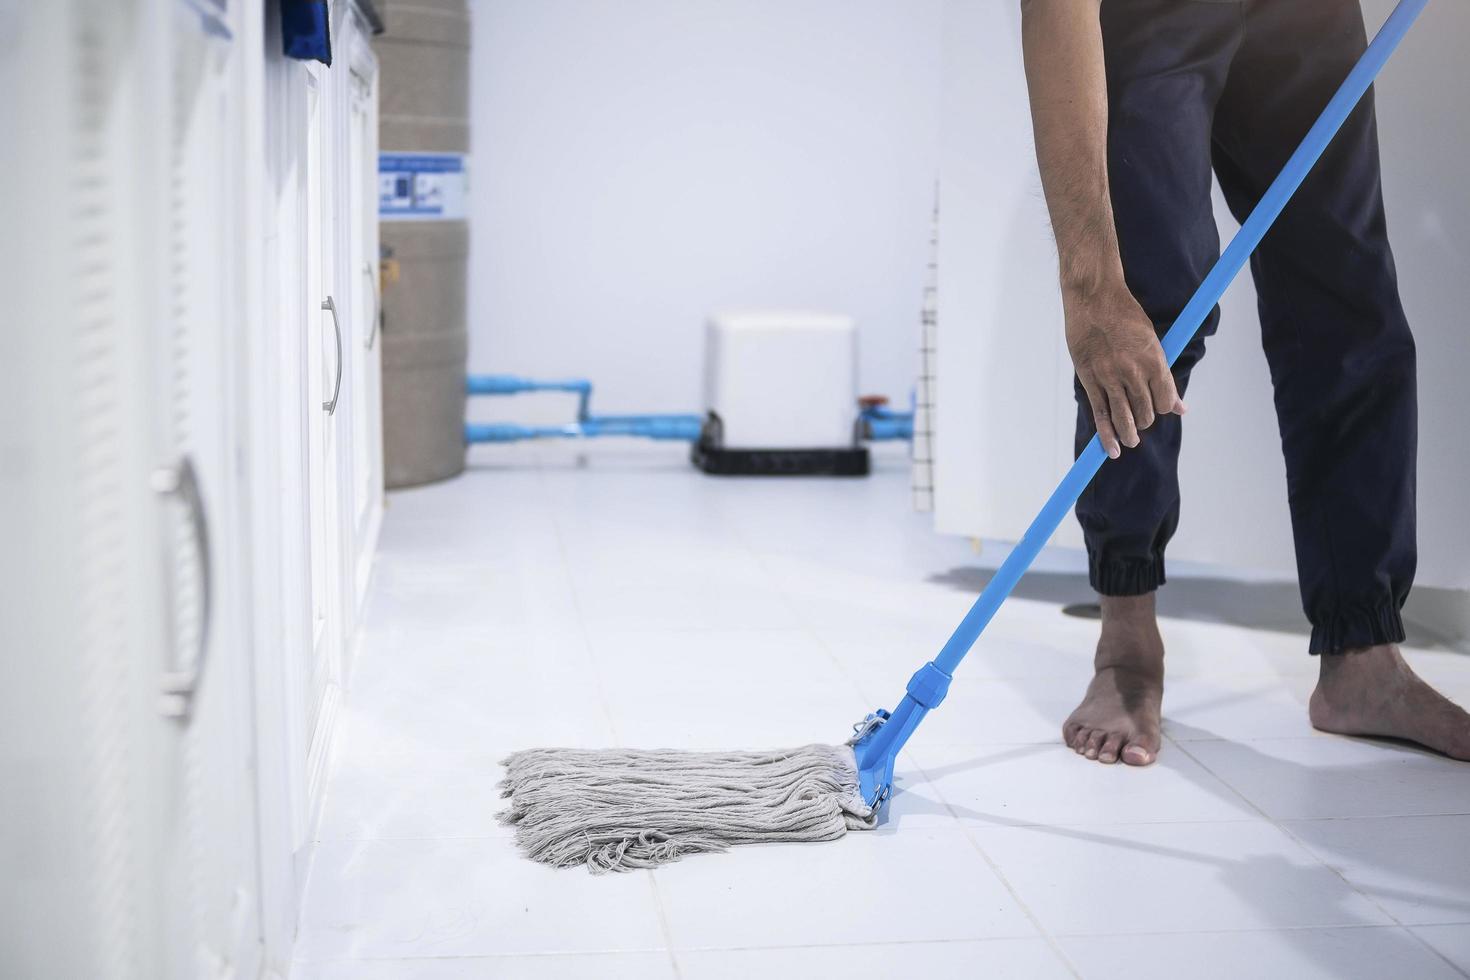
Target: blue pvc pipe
column 511, row 384
column 876, row 753
column 678, row 428
column 683, row 421
column 885, row 427
column 881, row 423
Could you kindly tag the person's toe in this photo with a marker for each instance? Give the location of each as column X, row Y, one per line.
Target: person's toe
column 1079, row 740
column 1069, row 733
column 1139, row 753
column 1110, row 748
column 1094, row 743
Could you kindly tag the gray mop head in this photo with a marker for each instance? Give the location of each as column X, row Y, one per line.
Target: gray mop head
column 623, row 809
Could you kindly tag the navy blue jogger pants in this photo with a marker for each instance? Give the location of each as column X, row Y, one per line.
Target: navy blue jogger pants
column 1230, row 87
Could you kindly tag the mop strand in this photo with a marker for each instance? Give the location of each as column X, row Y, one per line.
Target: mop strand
column 624, row 809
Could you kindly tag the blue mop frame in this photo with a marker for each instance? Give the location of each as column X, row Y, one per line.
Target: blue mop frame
column 878, row 738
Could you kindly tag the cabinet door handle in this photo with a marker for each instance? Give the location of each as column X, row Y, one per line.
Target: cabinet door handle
column 180, row 683
column 367, row 269
column 330, row 405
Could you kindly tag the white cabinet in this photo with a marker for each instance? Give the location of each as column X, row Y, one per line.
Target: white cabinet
column 362, row 267
column 338, row 406
column 89, row 764
column 127, row 634
column 324, row 350
column 193, row 335
column 190, row 473
column 317, row 396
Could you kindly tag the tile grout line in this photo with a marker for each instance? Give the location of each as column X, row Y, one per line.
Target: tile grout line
column 1264, row 930
column 1373, row 901
column 607, row 712
column 806, row 626
column 809, row 628
column 1009, row 825
column 1035, row 920
column 1414, row 931
column 1052, row 941
column 1046, row 936
column 663, row 924
column 979, row 940
column 587, row 648
column 1317, row 858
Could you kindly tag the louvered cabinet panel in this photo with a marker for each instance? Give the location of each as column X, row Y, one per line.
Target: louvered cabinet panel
column 89, row 765
column 197, row 419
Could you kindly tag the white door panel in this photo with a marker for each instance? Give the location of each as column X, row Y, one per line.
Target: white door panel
column 197, row 417
column 367, row 432
column 325, row 349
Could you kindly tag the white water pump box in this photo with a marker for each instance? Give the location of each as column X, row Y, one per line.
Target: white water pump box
column 782, row 379
column 780, row 396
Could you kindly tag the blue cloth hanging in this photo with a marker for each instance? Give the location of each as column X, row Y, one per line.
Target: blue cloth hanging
column 306, row 30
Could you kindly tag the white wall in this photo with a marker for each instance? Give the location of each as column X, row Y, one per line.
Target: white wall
column 639, row 164
column 1005, row 402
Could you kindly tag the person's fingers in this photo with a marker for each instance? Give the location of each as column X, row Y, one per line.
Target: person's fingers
column 1122, row 416
column 1166, row 393
column 1141, row 401
column 1101, row 419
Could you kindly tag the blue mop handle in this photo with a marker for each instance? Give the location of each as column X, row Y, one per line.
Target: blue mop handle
column 1235, row 256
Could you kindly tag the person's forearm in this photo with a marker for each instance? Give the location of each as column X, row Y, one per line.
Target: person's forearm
column 1062, row 45
column 1115, row 352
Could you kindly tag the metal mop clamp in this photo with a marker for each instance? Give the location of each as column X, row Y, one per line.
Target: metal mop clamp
column 880, row 736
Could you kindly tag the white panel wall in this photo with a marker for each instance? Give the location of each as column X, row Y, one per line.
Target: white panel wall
column 639, row 164
column 1425, row 130
column 1005, row 405
column 1001, row 378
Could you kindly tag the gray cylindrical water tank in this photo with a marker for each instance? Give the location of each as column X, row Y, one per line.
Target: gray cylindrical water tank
column 423, row 58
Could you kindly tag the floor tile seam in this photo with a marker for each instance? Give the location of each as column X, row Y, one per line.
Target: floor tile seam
column 664, row 926
column 781, row 947
column 1241, row 797
column 1376, row 816
column 453, row 957
column 1010, row 888
column 1302, row 845
column 588, row 650
column 1247, row 931
column 806, row 626
column 1414, row 931
column 604, row 702
column 1342, row 876
column 981, row 826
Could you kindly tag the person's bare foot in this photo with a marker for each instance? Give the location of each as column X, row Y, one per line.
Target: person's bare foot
column 1119, row 716
column 1372, row 691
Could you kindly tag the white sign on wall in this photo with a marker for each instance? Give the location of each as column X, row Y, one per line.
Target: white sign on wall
column 421, row 186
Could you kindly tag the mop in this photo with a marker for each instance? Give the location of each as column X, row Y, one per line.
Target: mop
column 622, row 809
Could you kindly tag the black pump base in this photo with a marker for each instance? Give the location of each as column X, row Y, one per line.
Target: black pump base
column 718, row 461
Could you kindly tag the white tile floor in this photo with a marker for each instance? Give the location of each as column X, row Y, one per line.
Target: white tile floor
column 628, row 600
